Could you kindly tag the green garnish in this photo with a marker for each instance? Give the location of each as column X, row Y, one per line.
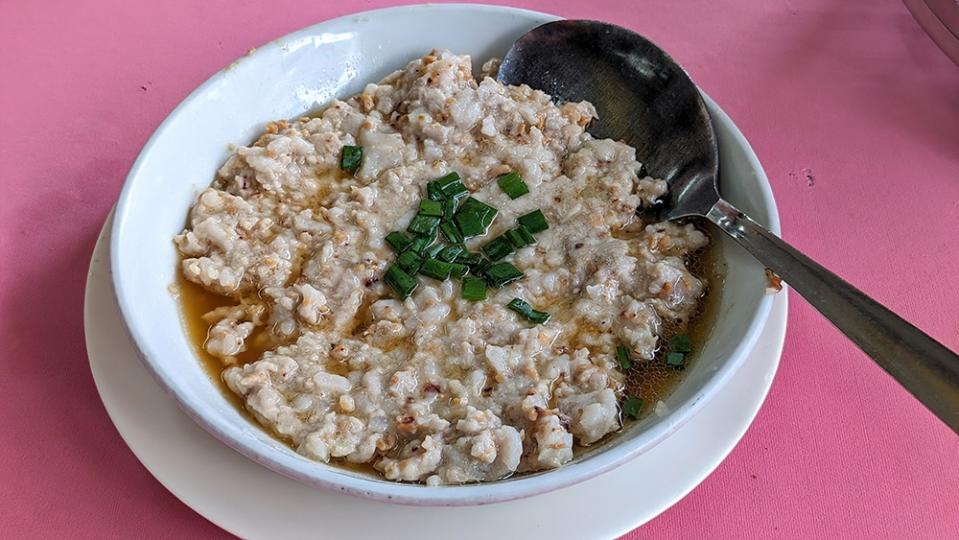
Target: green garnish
column 409, row 262
column 424, row 225
column 350, row 158
column 449, row 209
column 432, row 251
column 679, row 346
column 451, row 233
column 477, row 207
column 458, row 270
column 516, row 238
column 398, row 241
column 681, row 343
column 632, row 406
column 474, row 288
column 446, row 187
column 474, row 217
column 498, row 248
column 469, row 224
column 420, row 243
column 431, row 208
column 441, row 210
column 526, row 235
column 468, row 258
column 675, row 359
column 534, row 221
column 447, row 180
column 450, row 253
column 512, row 185
column 436, row 269
column 402, row 283
column 501, row 274
column 455, row 191
column 433, row 192
column 481, row 266
column 622, row 356
column 527, row 312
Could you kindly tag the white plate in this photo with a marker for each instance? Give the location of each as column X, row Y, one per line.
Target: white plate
column 253, row 502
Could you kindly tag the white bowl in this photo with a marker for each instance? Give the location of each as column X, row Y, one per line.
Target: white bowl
column 297, row 73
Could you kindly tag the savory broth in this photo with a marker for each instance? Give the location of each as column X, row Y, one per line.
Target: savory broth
column 654, row 381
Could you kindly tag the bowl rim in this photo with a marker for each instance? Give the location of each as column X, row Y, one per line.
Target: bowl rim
column 414, row 494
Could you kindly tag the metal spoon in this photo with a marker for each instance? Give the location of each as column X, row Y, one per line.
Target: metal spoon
column 648, row 101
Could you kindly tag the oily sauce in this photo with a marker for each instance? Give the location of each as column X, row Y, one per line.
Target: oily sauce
column 195, row 301
column 654, row 381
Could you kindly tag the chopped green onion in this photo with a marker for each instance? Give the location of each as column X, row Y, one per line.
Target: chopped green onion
column 446, row 187
column 450, row 253
column 534, row 221
column 455, row 191
column 451, row 232
column 409, row 262
column 622, row 356
column 675, row 359
column 446, row 180
column 401, row 282
column 501, row 274
column 470, row 259
column 515, row 238
column 512, row 185
column 469, row 224
column 424, row 225
column 477, row 207
column 632, row 406
column 398, row 241
column 432, row 251
column 431, row 208
column 434, row 192
column 527, row 312
column 449, row 209
column 527, row 236
column 538, row 317
column 420, row 243
column 680, row 343
column 431, row 235
column 474, row 288
column 519, row 306
column 474, row 217
column 481, row 266
column 449, row 187
column 436, row 269
column 350, row 158
column 458, row 270
column 498, row 248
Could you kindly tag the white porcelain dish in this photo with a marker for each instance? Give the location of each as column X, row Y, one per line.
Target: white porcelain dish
column 297, row 73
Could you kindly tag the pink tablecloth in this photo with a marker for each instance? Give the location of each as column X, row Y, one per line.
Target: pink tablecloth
column 849, row 105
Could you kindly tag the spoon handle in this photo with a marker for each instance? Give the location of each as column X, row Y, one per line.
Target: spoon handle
column 922, row 365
